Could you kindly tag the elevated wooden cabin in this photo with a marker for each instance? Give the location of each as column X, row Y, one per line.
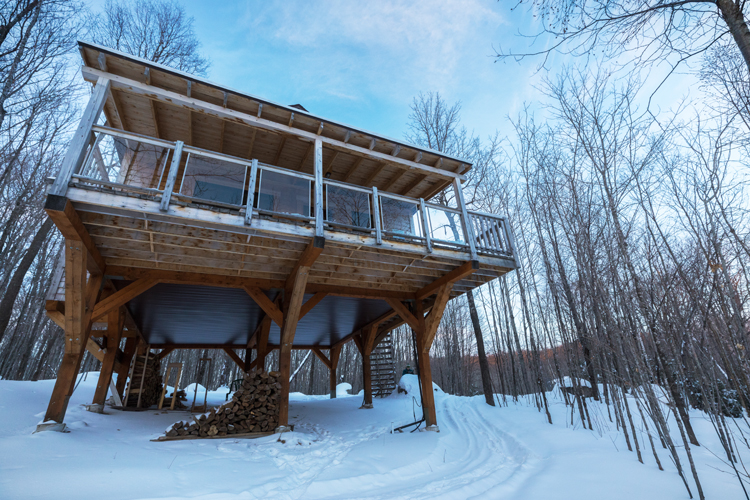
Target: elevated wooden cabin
column 196, row 216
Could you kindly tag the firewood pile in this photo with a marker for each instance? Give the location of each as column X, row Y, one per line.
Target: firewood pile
column 151, row 386
column 253, row 408
column 181, row 396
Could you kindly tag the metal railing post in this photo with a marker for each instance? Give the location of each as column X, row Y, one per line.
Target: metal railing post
column 376, row 216
column 173, row 168
column 78, row 144
column 425, row 225
column 251, row 193
column 318, row 187
column 467, row 224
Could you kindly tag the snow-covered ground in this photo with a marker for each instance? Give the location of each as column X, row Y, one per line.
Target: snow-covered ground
column 338, row 451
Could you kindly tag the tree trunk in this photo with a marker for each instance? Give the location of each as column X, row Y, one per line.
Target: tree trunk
column 14, row 286
column 733, row 16
column 484, row 366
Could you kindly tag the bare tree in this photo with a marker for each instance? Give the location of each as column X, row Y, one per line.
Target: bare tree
column 650, row 30
column 157, row 30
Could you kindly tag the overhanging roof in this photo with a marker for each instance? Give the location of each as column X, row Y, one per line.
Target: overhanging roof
column 170, row 122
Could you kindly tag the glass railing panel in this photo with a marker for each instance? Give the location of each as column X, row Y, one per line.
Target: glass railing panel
column 212, row 179
column 400, row 218
column 284, row 194
column 445, row 225
column 348, row 207
column 125, row 161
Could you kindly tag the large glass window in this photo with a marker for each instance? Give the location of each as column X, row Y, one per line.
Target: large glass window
column 214, row 180
column 347, row 206
column 445, row 225
column 284, row 194
column 126, row 161
column 400, row 217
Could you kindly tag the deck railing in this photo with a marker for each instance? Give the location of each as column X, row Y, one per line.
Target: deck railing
column 172, row 172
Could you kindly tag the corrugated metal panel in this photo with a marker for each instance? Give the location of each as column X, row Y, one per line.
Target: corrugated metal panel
column 191, row 314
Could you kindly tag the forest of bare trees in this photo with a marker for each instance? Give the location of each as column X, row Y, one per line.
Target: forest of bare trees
column 632, row 229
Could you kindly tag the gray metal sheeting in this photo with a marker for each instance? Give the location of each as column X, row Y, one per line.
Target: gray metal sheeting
column 192, row 314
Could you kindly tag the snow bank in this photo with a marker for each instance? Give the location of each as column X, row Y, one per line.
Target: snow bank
column 410, row 384
column 568, row 382
column 343, row 389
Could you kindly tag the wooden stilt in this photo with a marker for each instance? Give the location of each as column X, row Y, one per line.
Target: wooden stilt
column 365, row 345
column 115, row 322
column 80, row 297
column 262, row 351
column 294, row 294
column 425, row 335
column 334, row 354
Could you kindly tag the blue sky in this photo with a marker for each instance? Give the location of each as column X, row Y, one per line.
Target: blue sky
column 362, row 63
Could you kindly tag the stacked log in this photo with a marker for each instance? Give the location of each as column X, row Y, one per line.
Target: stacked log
column 152, row 385
column 253, row 408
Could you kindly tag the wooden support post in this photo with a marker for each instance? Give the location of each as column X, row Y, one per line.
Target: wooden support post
column 467, row 222
column 293, row 297
column 115, row 322
column 367, row 379
column 171, row 177
column 425, row 371
column 78, row 144
column 262, row 351
column 425, row 335
column 127, row 356
column 318, row 188
column 251, row 191
column 80, row 297
column 366, row 345
column 334, row 355
column 376, row 216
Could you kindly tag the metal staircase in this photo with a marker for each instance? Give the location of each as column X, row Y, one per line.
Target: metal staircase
column 383, row 368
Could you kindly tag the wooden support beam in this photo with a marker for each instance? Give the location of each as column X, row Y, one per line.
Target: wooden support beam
column 80, row 296
column 265, row 329
column 238, row 360
column 65, row 217
column 122, row 297
column 165, row 352
column 425, row 370
column 293, row 297
column 374, row 174
column 432, row 320
column 452, row 277
column 309, row 255
column 394, row 180
column 80, row 140
column 311, row 302
column 334, row 354
column 404, row 312
column 266, row 304
column 352, row 169
column 321, row 357
column 366, row 376
column 279, row 151
column 115, row 323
